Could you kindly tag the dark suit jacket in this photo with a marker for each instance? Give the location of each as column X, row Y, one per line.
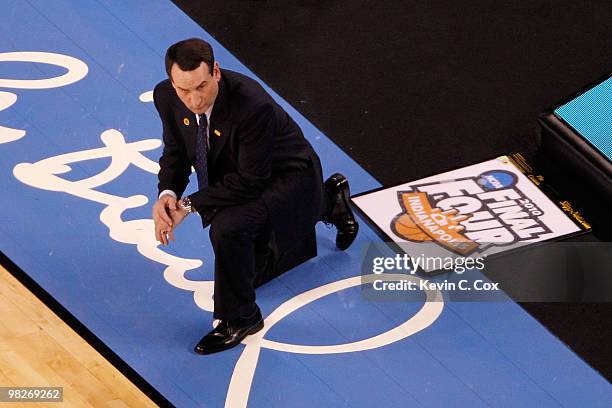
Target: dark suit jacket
column 255, row 148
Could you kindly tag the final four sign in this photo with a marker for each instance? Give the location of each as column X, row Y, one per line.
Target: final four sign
column 473, row 211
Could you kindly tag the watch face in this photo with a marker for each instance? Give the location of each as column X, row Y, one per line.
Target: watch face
column 186, row 204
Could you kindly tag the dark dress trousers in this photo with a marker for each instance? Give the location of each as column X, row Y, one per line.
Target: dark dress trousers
column 265, row 190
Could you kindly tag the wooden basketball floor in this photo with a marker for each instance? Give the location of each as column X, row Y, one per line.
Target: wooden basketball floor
column 38, row 349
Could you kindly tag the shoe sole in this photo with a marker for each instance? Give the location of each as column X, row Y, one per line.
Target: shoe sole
column 256, row 328
column 346, row 198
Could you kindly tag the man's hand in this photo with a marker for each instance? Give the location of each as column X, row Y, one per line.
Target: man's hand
column 163, row 232
column 177, row 216
column 166, row 232
column 162, row 219
column 167, row 215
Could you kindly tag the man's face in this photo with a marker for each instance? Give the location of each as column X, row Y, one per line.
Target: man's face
column 197, row 89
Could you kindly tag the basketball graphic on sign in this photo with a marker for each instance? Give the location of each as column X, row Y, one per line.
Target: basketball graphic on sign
column 405, row 228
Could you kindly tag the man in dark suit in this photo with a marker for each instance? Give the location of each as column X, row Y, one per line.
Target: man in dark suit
column 260, row 185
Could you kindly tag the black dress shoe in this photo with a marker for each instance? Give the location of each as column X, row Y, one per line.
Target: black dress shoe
column 227, row 335
column 341, row 215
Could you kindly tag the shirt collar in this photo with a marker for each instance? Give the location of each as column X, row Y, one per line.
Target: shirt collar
column 207, row 113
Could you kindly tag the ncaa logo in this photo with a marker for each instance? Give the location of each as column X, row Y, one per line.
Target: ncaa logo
column 496, row 180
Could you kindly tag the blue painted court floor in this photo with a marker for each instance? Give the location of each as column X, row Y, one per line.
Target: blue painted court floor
column 79, row 146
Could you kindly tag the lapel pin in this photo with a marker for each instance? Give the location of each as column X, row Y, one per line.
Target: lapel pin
column 186, row 121
column 217, row 132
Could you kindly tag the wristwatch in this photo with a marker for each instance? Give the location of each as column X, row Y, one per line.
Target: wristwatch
column 185, row 204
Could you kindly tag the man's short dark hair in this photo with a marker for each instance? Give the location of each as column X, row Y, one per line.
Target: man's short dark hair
column 189, row 54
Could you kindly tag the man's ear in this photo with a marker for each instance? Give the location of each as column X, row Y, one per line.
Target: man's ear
column 216, row 71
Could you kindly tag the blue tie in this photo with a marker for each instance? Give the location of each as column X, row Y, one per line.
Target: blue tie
column 201, row 164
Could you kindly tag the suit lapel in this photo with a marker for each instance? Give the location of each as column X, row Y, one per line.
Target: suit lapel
column 188, row 126
column 220, row 125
